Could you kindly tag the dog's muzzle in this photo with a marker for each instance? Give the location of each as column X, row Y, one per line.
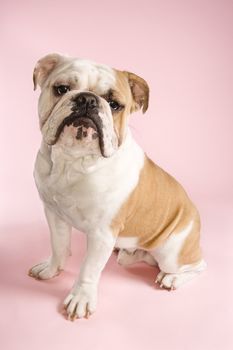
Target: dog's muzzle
column 87, row 120
column 85, row 115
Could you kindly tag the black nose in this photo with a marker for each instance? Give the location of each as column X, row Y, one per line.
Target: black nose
column 86, row 100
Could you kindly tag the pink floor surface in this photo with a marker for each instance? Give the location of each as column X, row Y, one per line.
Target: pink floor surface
column 132, row 312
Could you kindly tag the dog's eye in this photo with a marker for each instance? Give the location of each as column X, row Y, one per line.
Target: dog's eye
column 114, row 105
column 61, row 89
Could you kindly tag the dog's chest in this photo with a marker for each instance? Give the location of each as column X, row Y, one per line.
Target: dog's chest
column 81, row 200
column 85, row 200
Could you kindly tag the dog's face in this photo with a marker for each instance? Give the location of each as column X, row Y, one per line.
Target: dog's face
column 85, row 106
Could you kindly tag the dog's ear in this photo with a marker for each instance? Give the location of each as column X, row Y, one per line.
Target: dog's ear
column 44, row 67
column 140, row 92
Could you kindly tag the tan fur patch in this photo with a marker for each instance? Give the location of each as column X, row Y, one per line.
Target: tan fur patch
column 191, row 252
column 156, row 208
column 133, row 92
column 123, row 94
column 139, row 90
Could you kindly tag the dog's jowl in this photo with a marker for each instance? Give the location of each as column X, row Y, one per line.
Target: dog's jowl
column 92, row 175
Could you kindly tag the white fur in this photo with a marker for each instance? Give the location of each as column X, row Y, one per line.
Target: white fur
column 82, row 192
column 184, row 274
column 127, row 242
column 167, row 254
column 83, row 296
column 130, row 256
column 82, row 74
column 96, row 77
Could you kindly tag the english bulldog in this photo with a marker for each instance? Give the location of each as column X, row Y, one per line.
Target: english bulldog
column 92, row 175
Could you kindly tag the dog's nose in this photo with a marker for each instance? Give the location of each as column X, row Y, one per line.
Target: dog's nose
column 86, row 100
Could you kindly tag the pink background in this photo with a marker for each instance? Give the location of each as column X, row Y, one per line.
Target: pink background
column 183, row 48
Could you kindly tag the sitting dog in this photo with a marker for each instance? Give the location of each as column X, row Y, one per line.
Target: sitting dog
column 92, row 175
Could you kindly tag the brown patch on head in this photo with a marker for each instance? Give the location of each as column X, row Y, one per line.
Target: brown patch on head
column 140, row 92
column 121, row 94
column 132, row 92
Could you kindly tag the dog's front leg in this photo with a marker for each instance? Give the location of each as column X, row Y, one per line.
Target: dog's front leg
column 82, row 300
column 60, row 243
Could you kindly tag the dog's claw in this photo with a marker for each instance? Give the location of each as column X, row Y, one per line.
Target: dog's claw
column 72, row 317
column 63, row 311
column 88, row 314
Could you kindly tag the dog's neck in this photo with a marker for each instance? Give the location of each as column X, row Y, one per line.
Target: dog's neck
column 59, row 155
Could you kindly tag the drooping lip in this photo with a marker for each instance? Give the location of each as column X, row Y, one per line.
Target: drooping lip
column 76, row 121
column 87, row 120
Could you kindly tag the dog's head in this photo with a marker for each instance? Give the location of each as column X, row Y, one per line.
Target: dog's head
column 84, row 105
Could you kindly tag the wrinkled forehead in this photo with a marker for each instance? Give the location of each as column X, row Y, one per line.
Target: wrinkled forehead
column 85, row 75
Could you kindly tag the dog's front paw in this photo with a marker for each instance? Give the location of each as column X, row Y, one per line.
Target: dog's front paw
column 81, row 302
column 44, row 270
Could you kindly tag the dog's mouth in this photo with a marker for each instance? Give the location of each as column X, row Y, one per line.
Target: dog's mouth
column 81, row 123
column 87, row 128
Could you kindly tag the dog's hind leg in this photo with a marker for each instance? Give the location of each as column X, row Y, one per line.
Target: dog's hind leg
column 173, row 281
column 179, row 257
column 131, row 256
